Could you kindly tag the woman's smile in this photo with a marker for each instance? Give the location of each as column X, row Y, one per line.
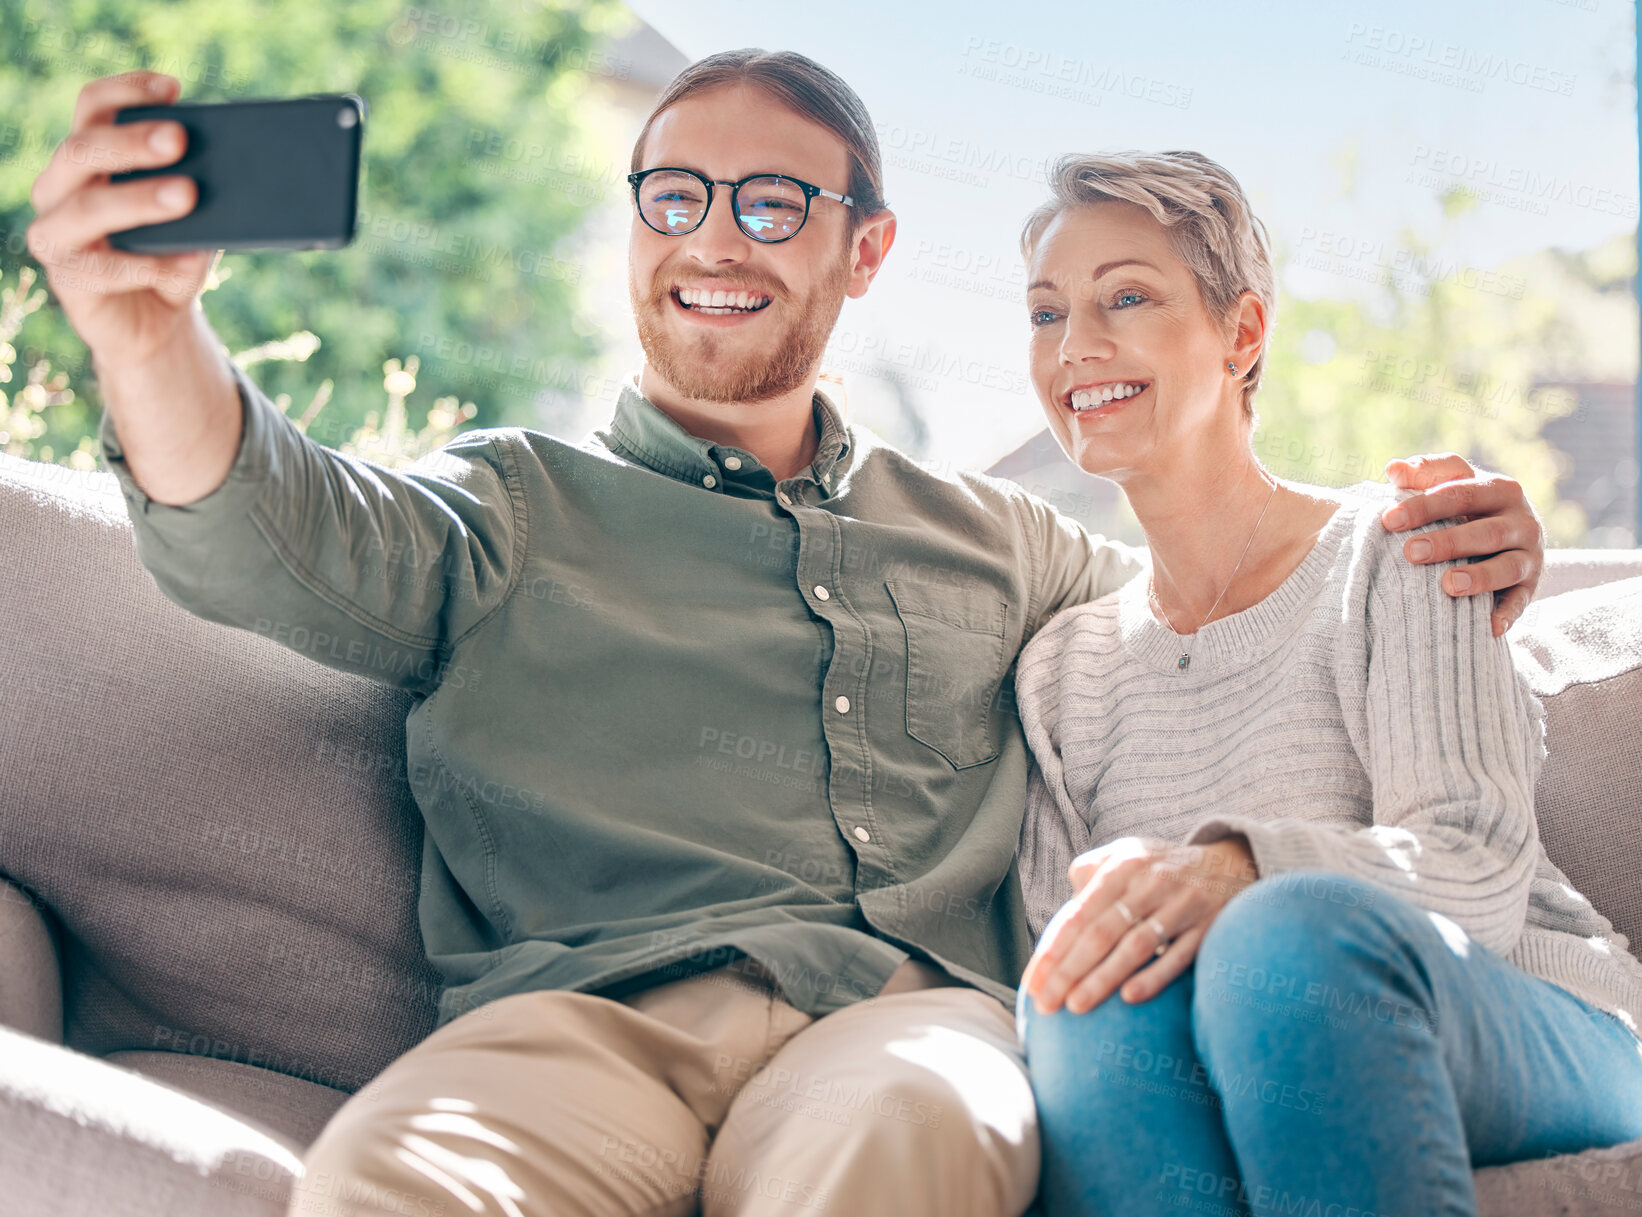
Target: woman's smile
column 1102, row 397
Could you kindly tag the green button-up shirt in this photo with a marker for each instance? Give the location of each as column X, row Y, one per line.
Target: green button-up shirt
column 671, row 712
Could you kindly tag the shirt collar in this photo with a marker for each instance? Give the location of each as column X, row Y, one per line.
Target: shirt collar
column 644, row 432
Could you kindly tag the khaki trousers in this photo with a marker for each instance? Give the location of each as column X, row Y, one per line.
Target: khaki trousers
column 709, row 1094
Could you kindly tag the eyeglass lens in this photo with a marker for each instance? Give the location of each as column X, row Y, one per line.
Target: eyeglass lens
column 767, row 208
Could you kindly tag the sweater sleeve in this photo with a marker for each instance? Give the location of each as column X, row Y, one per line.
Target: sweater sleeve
column 1451, row 739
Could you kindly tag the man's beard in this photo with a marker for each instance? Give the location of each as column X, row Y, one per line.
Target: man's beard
column 700, row 366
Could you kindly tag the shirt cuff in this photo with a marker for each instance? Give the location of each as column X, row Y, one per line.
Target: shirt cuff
column 237, row 494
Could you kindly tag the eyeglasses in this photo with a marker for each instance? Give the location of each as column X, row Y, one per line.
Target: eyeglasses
column 774, row 208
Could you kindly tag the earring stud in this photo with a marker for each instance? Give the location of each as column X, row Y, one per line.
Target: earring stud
column 1232, row 368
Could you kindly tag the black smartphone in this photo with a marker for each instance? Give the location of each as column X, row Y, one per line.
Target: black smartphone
column 281, row 173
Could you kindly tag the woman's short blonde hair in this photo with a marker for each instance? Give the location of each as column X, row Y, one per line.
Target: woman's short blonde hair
column 1208, row 217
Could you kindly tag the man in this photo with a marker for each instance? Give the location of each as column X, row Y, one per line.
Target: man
column 721, row 782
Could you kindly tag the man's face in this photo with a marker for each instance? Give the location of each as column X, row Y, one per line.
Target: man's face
column 769, row 349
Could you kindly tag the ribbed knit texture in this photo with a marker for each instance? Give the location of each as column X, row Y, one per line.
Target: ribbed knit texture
column 1357, row 720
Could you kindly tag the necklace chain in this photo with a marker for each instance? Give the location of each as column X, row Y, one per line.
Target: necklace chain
column 1185, row 659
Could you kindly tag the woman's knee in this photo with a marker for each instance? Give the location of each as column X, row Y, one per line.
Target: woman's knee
column 1131, row 1038
column 1302, row 941
column 1301, row 914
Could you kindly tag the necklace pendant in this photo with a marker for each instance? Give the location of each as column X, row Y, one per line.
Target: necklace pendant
column 1185, row 661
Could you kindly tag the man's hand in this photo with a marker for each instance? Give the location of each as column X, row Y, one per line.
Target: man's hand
column 1498, row 523
column 129, row 308
column 1139, row 902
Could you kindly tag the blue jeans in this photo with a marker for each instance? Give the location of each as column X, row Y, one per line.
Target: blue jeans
column 1332, row 1045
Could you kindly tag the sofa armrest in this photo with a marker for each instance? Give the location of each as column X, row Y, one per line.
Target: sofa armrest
column 31, row 979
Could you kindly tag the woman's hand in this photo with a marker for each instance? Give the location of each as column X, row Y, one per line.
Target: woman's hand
column 1132, row 896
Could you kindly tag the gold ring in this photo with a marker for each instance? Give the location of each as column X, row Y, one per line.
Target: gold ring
column 1126, row 911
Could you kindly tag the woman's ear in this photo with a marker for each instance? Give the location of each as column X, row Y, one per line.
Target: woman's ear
column 1248, row 332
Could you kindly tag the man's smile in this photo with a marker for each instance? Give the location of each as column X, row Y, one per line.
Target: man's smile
column 718, row 306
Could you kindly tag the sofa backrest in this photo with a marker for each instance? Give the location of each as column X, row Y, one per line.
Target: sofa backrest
column 225, row 835
column 1582, row 652
column 221, row 827
column 1567, row 570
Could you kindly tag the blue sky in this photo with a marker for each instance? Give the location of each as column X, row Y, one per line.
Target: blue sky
column 1343, row 121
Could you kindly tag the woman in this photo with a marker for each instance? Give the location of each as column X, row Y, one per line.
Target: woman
column 1304, row 951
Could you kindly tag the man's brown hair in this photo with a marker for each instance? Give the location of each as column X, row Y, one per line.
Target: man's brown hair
column 804, row 87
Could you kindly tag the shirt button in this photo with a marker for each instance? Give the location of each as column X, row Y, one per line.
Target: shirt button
column 842, row 705
column 732, row 463
column 862, row 834
column 781, row 497
column 822, row 593
column 709, row 481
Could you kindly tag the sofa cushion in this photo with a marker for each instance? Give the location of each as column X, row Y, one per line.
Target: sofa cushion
column 1597, row 1183
column 1582, row 653
column 221, row 826
column 31, row 989
column 80, row 1136
column 292, row 1110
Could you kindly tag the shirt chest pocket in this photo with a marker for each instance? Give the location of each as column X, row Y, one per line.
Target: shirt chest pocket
column 955, row 660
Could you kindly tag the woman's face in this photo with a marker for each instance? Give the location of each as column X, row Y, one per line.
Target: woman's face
column 1126, row 361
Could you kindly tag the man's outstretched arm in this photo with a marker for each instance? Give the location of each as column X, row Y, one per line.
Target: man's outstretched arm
column 1496, row 522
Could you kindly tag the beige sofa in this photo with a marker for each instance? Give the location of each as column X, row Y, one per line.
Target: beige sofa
column 209, row 937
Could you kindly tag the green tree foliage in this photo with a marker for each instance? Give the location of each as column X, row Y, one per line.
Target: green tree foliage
column 477, row 173
column 1446, row 357
column 386, row 436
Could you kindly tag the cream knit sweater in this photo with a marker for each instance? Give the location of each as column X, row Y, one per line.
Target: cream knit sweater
column 1357, row 720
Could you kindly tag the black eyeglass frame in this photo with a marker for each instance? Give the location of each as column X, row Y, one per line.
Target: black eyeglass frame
column 810, row 191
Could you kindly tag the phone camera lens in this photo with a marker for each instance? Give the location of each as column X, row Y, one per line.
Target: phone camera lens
column 347, row 116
